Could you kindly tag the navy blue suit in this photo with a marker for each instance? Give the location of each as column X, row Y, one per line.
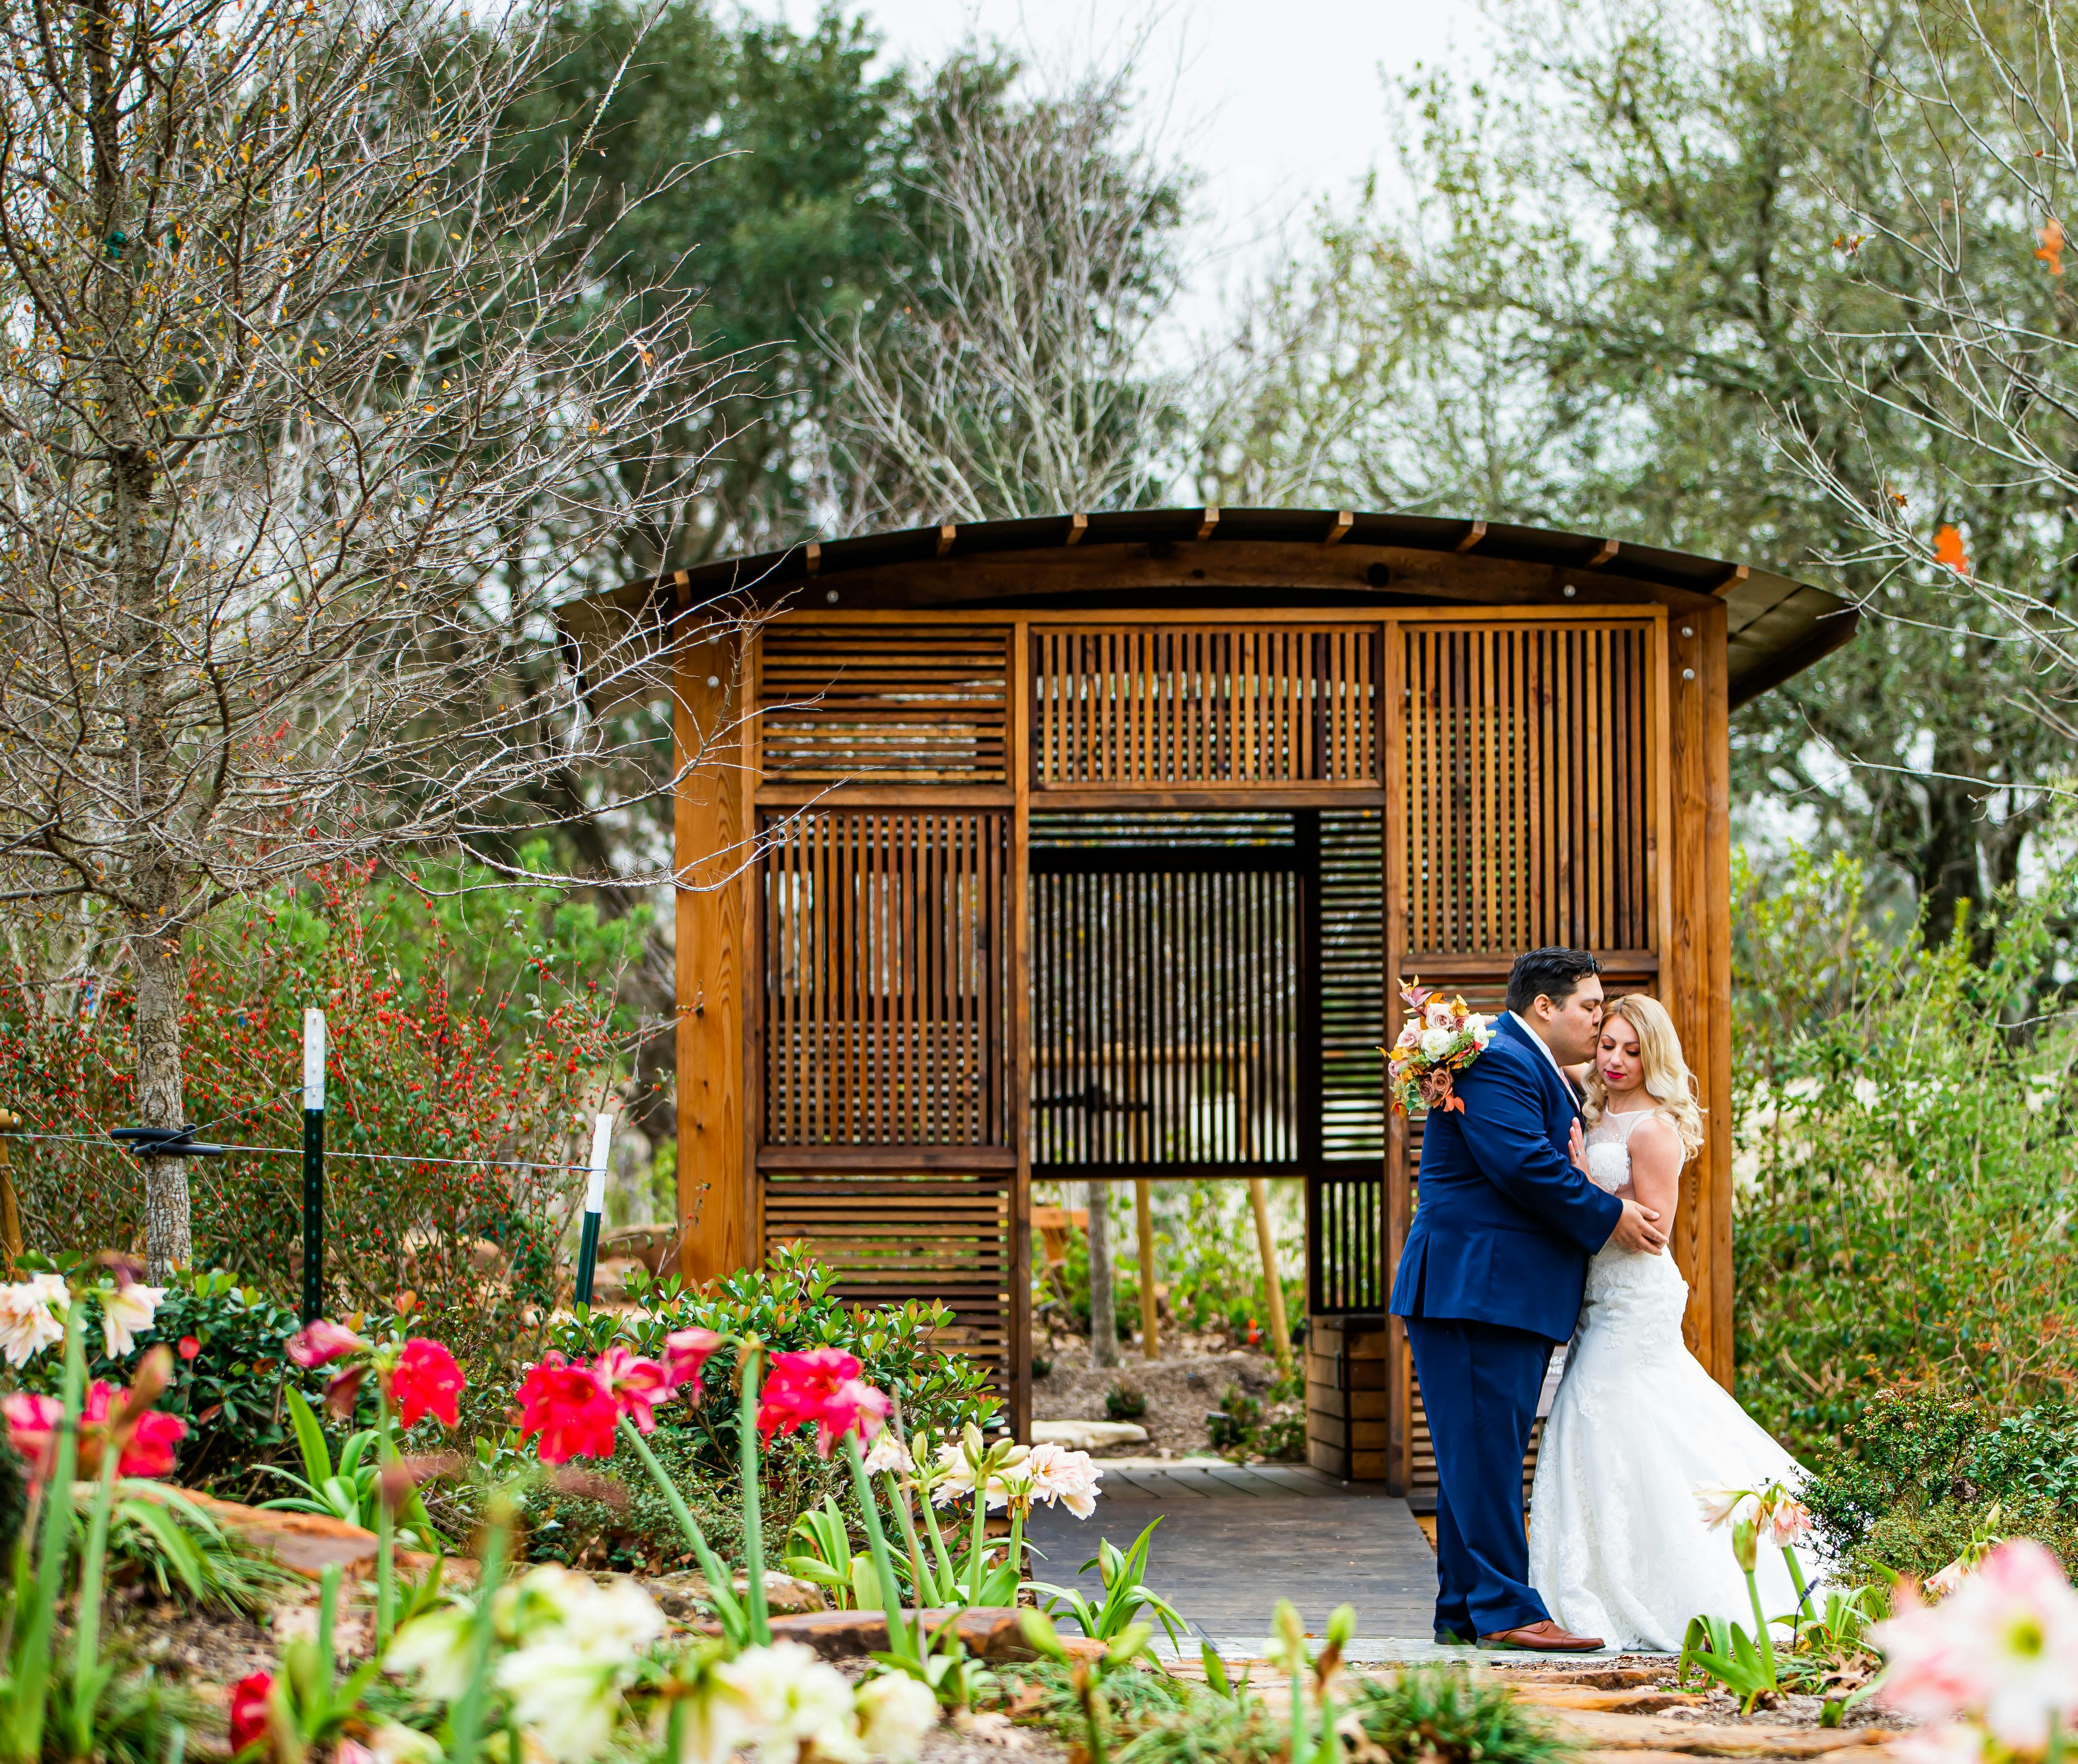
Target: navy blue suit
column 1489, row 1281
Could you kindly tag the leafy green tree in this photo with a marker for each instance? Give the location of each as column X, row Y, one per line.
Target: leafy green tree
column 1624, row 266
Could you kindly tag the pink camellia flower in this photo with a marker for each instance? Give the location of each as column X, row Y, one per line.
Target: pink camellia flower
column 426, row 1382
column 2002, row 1648
column 33, row 1426
column 634, row 1385
column 821, row 1385
column 248, row 1709
column 320, row 1343
column 686, row 1352
column 568, row 1407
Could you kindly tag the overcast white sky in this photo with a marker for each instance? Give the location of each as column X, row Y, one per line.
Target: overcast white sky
column 1279, row 101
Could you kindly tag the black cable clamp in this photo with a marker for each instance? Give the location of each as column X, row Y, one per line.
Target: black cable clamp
column 165, row 1141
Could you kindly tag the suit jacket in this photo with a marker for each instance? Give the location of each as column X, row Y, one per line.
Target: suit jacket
column 1503, row 1224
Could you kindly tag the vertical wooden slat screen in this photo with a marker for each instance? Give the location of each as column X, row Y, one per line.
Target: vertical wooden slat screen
column 1528, row 786
column 905, row 703
column 886, row 937
column 1164, row 997
column 1186, row 704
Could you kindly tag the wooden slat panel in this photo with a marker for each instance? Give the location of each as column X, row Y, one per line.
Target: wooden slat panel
column 929, row 1236
column 1126, row 705
column 885, row 1000
column 1525, row 774
column 917, row 702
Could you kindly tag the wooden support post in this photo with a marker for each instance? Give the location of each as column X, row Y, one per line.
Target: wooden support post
column 1143, row 1223
column 1266, row 1242
column 711, row 838
column 10, row 1213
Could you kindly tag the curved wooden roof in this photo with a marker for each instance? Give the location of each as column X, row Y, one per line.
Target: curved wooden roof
column 1240, row 557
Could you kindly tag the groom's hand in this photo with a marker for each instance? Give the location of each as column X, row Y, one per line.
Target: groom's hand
column 1637, row 1232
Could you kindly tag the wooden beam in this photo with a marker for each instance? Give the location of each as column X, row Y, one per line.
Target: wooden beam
column 1608, row 549
column 1077, row 525
column 1473, row 535
column 709, row 836
column 946, row 534
column 812, row 558
column 1732, row 577
column 1207, row 520
column 1344, row 519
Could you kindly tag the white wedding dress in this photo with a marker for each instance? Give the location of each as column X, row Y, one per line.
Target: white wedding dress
column 1618, row 1547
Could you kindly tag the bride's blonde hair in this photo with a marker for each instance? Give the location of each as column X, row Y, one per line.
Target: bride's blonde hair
column 1668, row 1082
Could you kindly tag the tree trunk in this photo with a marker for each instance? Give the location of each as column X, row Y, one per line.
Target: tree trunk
column 156, row 962
column 1103, row 1313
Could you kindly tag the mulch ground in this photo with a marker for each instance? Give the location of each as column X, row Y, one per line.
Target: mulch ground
column 1190, row 1381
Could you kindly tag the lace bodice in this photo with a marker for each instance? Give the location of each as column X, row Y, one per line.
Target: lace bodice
column 1609, row 1148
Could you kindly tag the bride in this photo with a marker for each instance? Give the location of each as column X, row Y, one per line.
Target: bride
column 1618, row 1543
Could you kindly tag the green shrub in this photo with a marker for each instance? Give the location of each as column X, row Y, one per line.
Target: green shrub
column 229, row 1390
column 1903, row 1116
column 1917, row 1474
column 1122, row 1403
column 608, row 1519
column 1442, row 1715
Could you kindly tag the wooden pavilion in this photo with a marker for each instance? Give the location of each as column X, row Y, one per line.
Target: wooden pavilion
column 1096, row 846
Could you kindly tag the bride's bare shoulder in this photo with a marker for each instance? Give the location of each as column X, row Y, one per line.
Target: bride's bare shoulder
column 1655, row 1133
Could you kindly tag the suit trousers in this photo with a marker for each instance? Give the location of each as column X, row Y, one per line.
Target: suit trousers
column 1479, row 1384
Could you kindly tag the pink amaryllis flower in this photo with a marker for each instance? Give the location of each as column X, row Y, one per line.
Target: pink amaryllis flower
column 1054, row 1473
column 33, row 1426
column 322, row 1342
column 821, row 1385
column 685, row 1352
column 144, row 1440
column 248, row 1709
column 567, row 1407
column 426, row 1381
column 2001, row 1648
column 634, row 1385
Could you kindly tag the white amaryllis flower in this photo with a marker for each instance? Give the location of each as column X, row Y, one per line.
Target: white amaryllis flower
column 1960, row 1742
column 894, row 1713
column 715, row 1720
column 29, row 1311
column 437, row 1648
column 551, row 1603
column 2002, row 1648
column 394, row 1743
column 565, row 1697
column 791, row 1698
column 957, row 1470
column 1070, row 1477
column 124, row 1312
column 1719, row 1504
column 1786, row 1521
column 886, row 1453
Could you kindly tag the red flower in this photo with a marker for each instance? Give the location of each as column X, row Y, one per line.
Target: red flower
column 821, row 1385
column 320, row 1343
column 634, row 1385
column 32, row 1424
column 427, row 1381
column 248, row 1709
column 570, row 1408
column 189, row 1347
column 147, row 1445
column 686, row 1352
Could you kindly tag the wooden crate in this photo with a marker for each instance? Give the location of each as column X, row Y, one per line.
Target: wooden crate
column 1346, row 1421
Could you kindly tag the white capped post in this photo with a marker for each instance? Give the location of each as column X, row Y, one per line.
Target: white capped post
column 601, row 1143
column 314, row 1104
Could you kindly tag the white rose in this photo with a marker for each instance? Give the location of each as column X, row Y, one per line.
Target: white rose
column 1436, row 1043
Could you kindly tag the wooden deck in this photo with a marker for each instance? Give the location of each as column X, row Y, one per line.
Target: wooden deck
column 1233, row 1541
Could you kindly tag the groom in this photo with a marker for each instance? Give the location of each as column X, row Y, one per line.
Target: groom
column 1491, row 1281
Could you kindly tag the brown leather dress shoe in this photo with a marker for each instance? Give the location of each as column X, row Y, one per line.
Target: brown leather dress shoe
column 1545, row 1637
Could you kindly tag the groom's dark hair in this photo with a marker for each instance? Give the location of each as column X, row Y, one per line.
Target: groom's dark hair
column 1553, row 974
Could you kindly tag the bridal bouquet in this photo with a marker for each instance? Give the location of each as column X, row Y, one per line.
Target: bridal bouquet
column 1441, row 1039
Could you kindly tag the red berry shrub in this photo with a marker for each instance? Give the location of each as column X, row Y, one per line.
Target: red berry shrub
column 472, row 1034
